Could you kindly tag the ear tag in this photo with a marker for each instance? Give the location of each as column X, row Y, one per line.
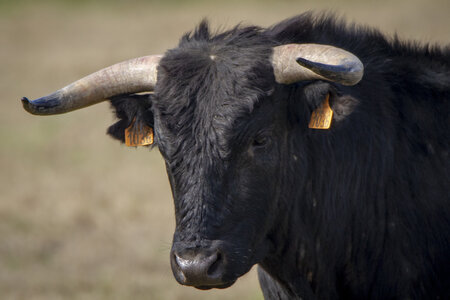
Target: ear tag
column 138, row 135
column 321, row 117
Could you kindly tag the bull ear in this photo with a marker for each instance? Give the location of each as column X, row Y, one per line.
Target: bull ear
column 130, row 109
column 316, row 93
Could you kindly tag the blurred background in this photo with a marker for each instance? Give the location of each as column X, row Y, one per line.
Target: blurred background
column 81, row 216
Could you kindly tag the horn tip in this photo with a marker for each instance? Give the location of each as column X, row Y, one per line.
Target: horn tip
column 348, row 73
column 41, row 106
column 25, row 100
column 26, row 103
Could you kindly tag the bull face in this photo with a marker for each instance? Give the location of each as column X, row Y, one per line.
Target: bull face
column 223, row 119
column 222, row 157
column 222, row 196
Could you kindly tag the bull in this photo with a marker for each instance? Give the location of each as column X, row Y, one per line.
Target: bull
column 317, row 150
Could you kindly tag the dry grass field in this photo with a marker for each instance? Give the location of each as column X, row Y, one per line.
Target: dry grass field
column 81, row 216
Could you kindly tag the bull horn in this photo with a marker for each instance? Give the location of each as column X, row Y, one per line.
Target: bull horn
column 131, row 76
column 297, row 62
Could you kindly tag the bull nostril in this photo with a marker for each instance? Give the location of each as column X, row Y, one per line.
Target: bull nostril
column 215, row 268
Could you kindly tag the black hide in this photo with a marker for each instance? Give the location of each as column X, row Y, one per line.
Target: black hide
column 359, row 211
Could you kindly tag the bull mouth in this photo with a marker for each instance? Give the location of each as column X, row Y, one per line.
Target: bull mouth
column 216, row 286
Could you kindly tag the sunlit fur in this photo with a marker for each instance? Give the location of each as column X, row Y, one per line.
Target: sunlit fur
column 359, row 211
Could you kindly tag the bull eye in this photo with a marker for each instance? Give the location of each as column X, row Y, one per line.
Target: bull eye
column 260, row 141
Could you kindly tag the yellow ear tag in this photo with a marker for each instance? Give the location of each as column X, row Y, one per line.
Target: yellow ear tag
column 322, row 115
column 138, row 135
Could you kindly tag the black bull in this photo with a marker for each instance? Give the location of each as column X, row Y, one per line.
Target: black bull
column 360, row 210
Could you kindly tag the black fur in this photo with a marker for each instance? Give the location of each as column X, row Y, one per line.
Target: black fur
column 129, row 108
column 359, row 211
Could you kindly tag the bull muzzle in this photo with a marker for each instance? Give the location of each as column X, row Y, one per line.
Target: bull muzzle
column 203, row 267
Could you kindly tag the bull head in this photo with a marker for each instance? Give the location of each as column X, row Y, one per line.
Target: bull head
column 200, row 263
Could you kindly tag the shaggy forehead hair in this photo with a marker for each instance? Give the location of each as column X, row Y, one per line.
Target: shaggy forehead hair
column 211, row 80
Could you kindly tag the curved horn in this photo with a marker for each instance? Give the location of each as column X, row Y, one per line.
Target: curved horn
column 131, row 76
column 297, row 62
